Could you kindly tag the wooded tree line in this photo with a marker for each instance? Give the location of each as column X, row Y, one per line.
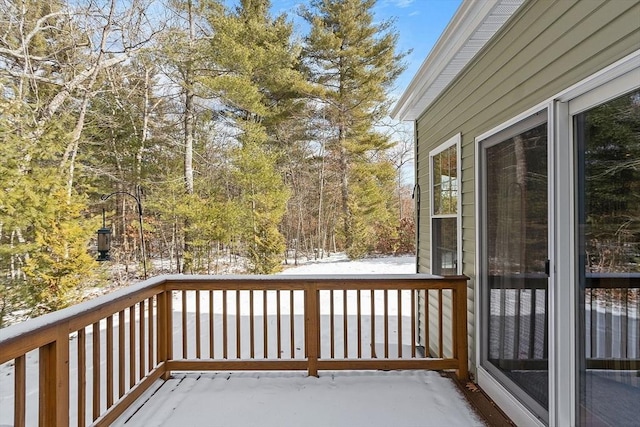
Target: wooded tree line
column 249, row 140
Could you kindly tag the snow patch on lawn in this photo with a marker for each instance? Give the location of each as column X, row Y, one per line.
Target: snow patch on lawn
column 341, row 264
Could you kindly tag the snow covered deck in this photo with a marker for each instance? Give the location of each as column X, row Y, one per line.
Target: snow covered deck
column 90, row 363
column 280, row 399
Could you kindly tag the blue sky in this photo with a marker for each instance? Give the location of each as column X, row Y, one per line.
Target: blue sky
column 419, row 23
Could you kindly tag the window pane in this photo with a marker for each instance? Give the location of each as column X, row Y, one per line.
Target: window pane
column 608, row 141
column 445, row 246
column 445, row 182
column 516, row 244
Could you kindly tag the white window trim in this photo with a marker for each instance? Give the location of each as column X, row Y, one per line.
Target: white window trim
column 456, row 141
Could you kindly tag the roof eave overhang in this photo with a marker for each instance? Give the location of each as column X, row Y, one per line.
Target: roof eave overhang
column 473, row 25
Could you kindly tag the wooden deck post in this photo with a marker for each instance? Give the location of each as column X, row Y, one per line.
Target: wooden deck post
column 54, row 381
column 460, row 328
column 312, row 328
column 165, row 331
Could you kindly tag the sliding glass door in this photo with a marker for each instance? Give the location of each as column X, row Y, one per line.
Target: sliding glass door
column 607, row 139
column 514, row 239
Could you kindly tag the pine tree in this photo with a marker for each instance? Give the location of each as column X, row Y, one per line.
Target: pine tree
column 353, row 61
column 256, row 80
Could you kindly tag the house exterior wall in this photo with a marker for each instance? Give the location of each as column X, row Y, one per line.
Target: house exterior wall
column 543, row 49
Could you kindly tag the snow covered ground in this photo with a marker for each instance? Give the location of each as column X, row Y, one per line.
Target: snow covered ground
column 340, row 264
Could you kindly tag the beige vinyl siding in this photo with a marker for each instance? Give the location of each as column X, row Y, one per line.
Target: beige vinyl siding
column 546, row 47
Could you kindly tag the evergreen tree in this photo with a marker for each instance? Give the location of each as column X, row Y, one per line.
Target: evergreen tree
column 258, row 86
column 353, row 61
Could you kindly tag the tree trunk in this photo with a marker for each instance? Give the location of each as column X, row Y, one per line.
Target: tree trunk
column 188, row 140
column 344, row 191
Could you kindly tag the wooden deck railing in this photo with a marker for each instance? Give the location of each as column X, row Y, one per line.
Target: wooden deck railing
column 612, row 321
column 90, row 362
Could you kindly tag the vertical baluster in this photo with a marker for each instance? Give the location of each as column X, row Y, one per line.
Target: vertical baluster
column 373, row 324
column 624, row 323
column 224, row 324
column 291, row 324
column 532, row 324
column 142, row 357
column 211, row 326
column 132, row 346
column 637, row 340
column 427, row 338
column 252, row 327
column 278, row 325
column 440, row 325
column 317, row 326
column 331, row 324
column 151, row 333
column 608, row 325
column 264, row 323
column 386, row 324
column 20, row 388
column 517, row 319
column 503, row 326
column 82, row 378
column 184, row 328
column 109, row 378
column 96, row 370
column 198, row 328
column 593, row 304
column 238, row 332
column 413, row 323
column 121, row 368
column 345, row 332
column 545, row 351
column 359, row 316
column 399, row 291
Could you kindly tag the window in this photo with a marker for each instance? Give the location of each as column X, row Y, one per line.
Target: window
column 607, row 138
column 445, row 203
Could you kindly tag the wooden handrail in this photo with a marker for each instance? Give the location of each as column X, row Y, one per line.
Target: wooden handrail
column 145, row 335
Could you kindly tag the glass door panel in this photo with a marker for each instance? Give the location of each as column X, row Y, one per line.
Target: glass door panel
column 515, row 244
column 608, row 152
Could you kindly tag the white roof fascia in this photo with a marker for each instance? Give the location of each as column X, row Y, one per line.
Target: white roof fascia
column 473, row 25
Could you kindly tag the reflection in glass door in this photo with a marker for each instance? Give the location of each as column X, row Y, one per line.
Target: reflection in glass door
column 608, row 152
column 515, row 252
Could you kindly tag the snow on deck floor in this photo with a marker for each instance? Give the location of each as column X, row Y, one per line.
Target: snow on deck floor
column 345, row 398
column 377, row 398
